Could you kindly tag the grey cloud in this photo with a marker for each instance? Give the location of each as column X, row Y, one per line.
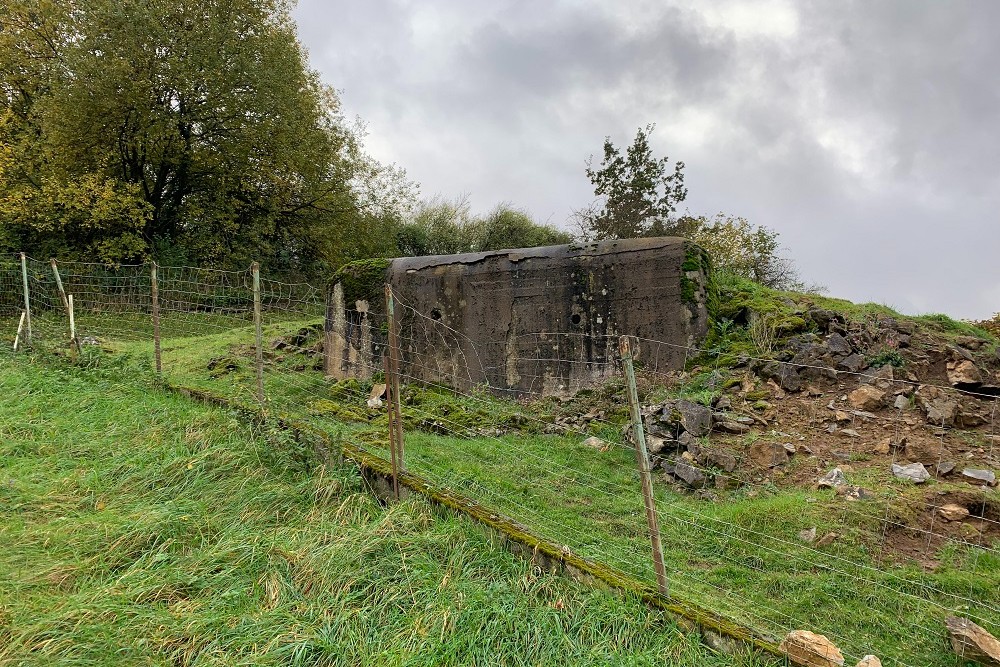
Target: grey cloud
column 867, row 138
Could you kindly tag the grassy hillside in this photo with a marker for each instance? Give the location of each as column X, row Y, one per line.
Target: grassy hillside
column 139, row 528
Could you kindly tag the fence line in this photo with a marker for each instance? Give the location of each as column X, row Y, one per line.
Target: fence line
column 249, row 336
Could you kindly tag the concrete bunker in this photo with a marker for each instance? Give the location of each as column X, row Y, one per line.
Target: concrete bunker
column 528, row 321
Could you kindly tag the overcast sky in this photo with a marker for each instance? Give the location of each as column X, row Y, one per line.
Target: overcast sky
column 866, row 133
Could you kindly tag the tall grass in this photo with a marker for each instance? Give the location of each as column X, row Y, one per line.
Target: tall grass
column 139, row 528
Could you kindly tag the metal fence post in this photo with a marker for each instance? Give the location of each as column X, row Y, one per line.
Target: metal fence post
column 255, row 270
column 394, row 369
column 642, row 461
column 27, row 298
column 155, row 295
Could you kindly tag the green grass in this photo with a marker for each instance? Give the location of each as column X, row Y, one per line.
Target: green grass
column 739, row 556
column 140, row 528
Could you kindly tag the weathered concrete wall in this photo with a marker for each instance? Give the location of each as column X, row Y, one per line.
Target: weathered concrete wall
column 539, row 320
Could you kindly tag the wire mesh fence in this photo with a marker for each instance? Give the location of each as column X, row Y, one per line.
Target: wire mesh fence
column 758, row 522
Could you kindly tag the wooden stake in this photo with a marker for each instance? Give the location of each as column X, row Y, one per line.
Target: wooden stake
column 20, row 327
column 74, row 344
column 390, row 406
column 642, row 460
column 59, row 285
column 394, row 369
column 27, row 299
column 155, row 293
column 255, row 270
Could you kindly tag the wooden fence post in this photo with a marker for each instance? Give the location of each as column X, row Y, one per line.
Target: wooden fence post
column 391, row 409
column 642, row 460
column 27, row 298
column 255, row 270
column 59, row 285
column 393, row 342
column 155, row 294
column 74, row 344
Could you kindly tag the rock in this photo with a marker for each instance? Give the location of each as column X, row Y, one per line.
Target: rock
column 837, row 344
column 811, row 650
column 958, row 353
column 724, row 403
column 823, row 318
column 788, row 378
column 928, row 452
column 808, row 536
column 970, row 342
column 789, row 447
column 940, row 408
column 869, row 661
column 964, row 374
column 376, row 396
column 851, row 364
column 596, row 443
column 827, row 539
column 982, row 476
column 768, row 454
column 690, row 474
column 945, row 467
column 720, row 459
column 854, row 493
column 732, row 427
column 953, row 512
column 901, row 403
column 655, row 445
column 883, row 447
column 832, row 479
column 695, row 419
column 971, row 642
column 882, row 377
column 689, row 443
column 914, row 472
column 850, row 433
column 867, row 397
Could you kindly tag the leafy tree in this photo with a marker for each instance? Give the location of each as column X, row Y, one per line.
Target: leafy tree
column 743, row 249
column 636, row 193
column 508, row 227
column 442, row 227
column 194, row 130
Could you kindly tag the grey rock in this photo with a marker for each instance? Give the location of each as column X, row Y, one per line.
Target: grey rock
column 945, row 467
column 832, row 479
column 850, row 433
column 837, row 344
column 901, row 402
column 788, row 378
column 694, row 418
column 971, row 642
column 724, row 403
column 984, row 476
column 852, row 364
column 732, row 427
column 914, row 472
column 690, row 444
column 721, row 459
column 691, row 475
column 808, row 536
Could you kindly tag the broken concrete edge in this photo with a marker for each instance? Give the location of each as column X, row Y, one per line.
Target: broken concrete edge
column 719, row 633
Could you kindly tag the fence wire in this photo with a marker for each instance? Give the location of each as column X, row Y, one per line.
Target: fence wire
column 879, row 576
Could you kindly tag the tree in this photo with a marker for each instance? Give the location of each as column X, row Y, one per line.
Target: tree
column 202, row 128
column 636, row 193
column 442, row 227
column 740, row 248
